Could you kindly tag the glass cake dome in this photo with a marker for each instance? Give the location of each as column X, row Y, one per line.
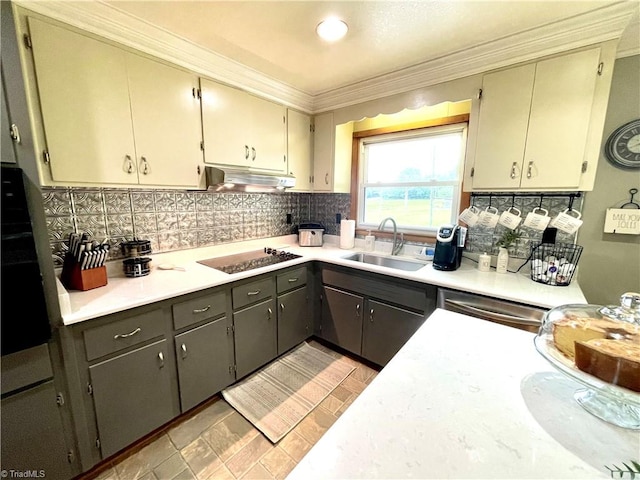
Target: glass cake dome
column 598, row 347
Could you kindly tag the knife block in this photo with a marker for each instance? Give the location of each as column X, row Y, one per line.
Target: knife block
column 74, row 278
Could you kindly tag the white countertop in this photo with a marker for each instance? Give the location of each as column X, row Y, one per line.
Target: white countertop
column 466, row 398
column 122, row 293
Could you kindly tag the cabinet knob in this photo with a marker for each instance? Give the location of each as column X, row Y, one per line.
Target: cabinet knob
column 253, row 153
column 282, row 307
column 530, row 169
column 326, row 178
column 246, row 152
column 144, row 166
column 128, row 164
column 183, row 347
column 161, row 358
column 269, row 313
column 371, row 315
column 357, row 310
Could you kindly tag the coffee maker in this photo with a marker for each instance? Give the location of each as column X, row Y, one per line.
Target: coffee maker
column 449, row 246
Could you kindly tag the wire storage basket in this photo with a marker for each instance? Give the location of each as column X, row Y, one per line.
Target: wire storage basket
column 554, row 263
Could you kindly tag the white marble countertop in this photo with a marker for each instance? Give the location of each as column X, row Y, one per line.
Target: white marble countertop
column 122, row 293
column 466, row 398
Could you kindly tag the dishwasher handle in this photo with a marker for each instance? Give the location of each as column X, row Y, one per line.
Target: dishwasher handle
column 490, row 314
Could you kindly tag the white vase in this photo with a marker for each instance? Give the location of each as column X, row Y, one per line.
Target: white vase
column 503, row 260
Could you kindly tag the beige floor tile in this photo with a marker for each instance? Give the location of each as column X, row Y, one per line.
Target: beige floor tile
column 222, row 473
column 187, row 431
column 370, row 379
column 148, row 476
column 257, row 472
column 171, row 467
column 230, row 435
column 346, row 405
column 278, row 463
column 353, row 385
column 295, row 446
column 313, row 426
column 362, row 373
column 109, row 474
column 248, row 456
column 146, row 459
column 341, row 393
column 331, row 403
column 186, row 474
column 201, row 458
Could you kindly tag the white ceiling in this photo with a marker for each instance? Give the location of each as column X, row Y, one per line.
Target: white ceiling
column 278, row 38
column 270, row 47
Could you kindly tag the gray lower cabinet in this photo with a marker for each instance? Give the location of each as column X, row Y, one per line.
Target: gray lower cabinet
column 294, row 319
column 341, row 318
column 132, row 394
column 256, row 336
column 32, row 433
column 204, row 356
column 386, row 330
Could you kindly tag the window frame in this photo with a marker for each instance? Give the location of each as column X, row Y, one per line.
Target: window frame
column 356, row 170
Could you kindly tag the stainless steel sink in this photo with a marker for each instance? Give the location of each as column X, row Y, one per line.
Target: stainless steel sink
column 384, row 261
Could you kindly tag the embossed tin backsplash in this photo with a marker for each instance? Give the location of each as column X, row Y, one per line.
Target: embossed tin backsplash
column 176, row 220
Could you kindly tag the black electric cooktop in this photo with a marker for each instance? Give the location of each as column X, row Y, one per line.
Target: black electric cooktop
column 242, row 262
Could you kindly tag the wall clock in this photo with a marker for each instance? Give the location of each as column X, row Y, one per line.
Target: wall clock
column 623, row 146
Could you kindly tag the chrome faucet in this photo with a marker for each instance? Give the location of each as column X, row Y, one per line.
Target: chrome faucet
column 397, row 245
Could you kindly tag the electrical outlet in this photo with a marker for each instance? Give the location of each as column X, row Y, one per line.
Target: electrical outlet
column 289, row 220
column 338, row 217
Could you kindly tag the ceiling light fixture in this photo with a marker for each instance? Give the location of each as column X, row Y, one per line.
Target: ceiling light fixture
column 332, row 29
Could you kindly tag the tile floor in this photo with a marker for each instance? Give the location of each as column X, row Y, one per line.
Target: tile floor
column 218, row 443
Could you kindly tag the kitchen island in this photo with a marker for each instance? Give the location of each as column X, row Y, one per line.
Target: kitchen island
column 466, row 398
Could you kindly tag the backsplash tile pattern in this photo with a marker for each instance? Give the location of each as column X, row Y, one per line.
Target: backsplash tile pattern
column 170, row 219
column 176, row 220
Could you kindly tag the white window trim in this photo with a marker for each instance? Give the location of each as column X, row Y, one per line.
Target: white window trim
column 423, row 132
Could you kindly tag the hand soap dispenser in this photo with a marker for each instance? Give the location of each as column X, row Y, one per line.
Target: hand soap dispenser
column 369, row 242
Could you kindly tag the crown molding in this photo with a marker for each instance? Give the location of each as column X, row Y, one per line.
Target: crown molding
column 101, row 19
column 594, row 27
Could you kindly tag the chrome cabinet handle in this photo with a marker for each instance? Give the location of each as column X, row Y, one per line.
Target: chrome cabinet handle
column 144, row 165
column 253, row 153
column 326, row 178
column 126, row 335
column 201, row 310
column 282, row 307
column 357, row 310
column 514, row 169
column 270, row 312
column 183, row 347
column 530, row 169
column 251, row 294
column 128, row 164
column 161, row 358
column 14, row 133
column 292, row 280
column 371, row 315
column 246, row 152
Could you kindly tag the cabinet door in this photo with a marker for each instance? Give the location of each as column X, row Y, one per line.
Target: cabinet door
column 559, row 122
column 32, row 433
column 502, row 128
column 6, row 142
column 341, row 321
column 226, row 124
column 204, row 357
column 386, row 330
column 256, row 337
column 294, row 319
column 132, row 394
column 84, row 97
column 268, row 135
column 166, row 123
column 299, row 144
column 323, row 149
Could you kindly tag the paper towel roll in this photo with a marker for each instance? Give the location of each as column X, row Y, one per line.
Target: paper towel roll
column 347, row 233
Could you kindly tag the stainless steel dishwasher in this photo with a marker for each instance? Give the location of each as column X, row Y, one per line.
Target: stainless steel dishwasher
column 508, row 313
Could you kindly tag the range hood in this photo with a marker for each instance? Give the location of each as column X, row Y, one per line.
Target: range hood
column 243, row 179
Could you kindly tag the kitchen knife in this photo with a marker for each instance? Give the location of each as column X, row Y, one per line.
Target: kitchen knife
column 85, row 259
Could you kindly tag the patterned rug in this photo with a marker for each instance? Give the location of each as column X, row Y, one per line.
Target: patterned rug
column 277, row 397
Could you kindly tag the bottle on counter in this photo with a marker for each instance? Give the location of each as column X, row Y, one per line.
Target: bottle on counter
column 484, row 262
column 503, row 260
column 369, row 242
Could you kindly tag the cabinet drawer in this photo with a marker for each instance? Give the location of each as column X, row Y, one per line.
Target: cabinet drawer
column 198, row 309
column 252, row 292
column 123, row 333
column 291, row 279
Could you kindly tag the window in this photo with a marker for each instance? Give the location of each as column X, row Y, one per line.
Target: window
column 413, row 176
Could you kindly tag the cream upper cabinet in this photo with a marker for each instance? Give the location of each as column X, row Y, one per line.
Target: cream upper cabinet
column 534, row 124
column 332, row 145
column 242, row 130
column 112, row 117
column 299, row 145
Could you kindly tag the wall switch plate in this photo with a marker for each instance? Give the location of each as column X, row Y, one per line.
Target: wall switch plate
column 338, row 217
column 289, row 219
